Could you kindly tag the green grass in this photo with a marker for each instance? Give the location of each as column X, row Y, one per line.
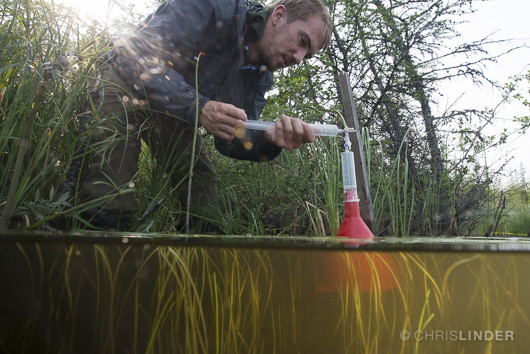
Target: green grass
column 44, row 69
column 518, row 222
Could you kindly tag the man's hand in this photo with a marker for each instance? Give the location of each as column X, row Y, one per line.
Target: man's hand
column 289, row 133
column 222, row 119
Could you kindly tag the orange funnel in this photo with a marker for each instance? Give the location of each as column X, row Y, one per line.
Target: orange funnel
column 353, row 225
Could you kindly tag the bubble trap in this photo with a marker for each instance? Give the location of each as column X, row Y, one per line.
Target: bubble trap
column 353, row 225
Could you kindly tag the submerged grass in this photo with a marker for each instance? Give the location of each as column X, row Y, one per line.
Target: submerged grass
column 140, row 299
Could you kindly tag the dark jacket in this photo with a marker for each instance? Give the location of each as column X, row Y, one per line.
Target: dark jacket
column 158, row 62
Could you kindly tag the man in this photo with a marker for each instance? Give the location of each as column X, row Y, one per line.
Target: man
column 147, row 88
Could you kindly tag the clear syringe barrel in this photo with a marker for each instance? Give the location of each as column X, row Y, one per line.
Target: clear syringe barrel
column 318, row 129
column 348, row 177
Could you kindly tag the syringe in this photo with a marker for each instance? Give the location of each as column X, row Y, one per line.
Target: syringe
column 318, row 128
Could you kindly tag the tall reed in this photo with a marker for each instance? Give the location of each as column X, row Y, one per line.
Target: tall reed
column 44, row 68
column 393, row 194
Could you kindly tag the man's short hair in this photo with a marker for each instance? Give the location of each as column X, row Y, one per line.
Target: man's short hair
column 305, row 9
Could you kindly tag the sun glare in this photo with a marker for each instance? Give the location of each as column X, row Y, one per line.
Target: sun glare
column 102, row 10
column 93, row 8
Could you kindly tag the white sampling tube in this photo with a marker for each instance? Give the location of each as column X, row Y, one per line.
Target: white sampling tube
column 318, row 129
column 348, row 177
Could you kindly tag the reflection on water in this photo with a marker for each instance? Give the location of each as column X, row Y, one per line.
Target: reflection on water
column 145, row 298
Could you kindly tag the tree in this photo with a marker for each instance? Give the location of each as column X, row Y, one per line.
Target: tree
column 514, row 88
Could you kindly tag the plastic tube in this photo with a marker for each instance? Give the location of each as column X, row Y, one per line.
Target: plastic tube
column 318, row 129
column 349, row 181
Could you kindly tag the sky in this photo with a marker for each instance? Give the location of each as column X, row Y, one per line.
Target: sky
column 503, row 19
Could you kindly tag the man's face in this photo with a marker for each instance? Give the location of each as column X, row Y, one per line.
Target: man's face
column 284, row 44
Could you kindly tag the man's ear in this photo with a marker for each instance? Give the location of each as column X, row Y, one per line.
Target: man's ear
column 278, row 13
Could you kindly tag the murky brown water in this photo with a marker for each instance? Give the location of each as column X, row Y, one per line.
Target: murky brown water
column 137, row 295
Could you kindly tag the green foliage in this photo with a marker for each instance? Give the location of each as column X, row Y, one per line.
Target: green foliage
column 519, row 88
column 44, row 66
column 506, row 208
column 517, row 220
column 298, row 193
column 519, row 223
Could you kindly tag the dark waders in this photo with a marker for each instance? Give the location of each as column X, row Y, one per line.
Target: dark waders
column 113, row 170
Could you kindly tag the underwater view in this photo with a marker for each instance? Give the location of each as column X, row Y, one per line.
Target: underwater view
column 135, row 294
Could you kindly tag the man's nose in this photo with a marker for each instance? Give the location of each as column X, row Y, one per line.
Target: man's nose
column 299, row 55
